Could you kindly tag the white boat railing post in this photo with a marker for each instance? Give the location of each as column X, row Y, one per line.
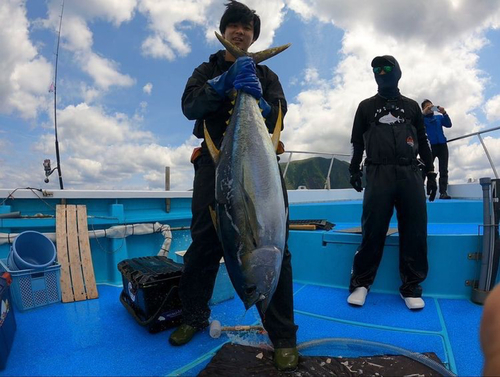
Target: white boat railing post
column 478, row 134
column 327, row 181
column 488, row 155
column 288, row 163
column 167, row 187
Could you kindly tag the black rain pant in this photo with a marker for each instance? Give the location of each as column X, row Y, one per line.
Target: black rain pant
column 390, row 186
column 441, row 152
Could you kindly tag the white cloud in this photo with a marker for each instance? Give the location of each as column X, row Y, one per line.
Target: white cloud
column 77, row 37
column 168, row 20
column 165, row 19
column 271, row 14
column 104, row 71
column 492, row 109
column 148, row 88
column 438, row 50
column 24, row 75
column 114, row 11
column 102, row 151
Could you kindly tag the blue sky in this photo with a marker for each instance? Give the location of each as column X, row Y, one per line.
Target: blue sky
column 123, row 66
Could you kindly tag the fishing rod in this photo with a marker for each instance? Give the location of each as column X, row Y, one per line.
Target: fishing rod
column 46, row 163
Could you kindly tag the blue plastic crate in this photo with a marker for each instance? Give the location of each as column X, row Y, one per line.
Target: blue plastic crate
column 33, row 288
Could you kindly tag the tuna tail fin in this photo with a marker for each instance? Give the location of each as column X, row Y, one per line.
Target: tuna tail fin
column 258, row 57
column 214, row 152
column 277, row 129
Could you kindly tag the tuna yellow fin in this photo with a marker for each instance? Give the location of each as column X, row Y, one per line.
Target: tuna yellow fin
column 214, row 152
column 277, row 129
column 213, row 215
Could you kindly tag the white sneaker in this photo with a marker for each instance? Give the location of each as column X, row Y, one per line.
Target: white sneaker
column 414, row 303
column 358, row 296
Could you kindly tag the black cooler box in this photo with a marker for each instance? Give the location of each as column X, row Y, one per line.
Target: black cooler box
column 150, row 291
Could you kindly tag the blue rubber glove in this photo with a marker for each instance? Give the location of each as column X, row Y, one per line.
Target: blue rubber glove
column 248, row 81
column 265, row 107
column 224, row 83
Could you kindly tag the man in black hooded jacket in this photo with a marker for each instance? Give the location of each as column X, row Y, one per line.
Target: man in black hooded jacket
column 207, row 98
column 390, row 128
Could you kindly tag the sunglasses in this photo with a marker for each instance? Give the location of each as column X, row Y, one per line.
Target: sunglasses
column 386, row 68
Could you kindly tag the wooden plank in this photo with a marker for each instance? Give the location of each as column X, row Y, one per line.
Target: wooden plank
column 75, row 263
column 62, row 254
column 302, row 227
column 85, row 255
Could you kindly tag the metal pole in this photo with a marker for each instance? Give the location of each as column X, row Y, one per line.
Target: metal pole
column 472, row 134
column 488, row 155
column 55, row 102
column 327, row 182
column 288, row 163
column 479, row 294
column 167, row 178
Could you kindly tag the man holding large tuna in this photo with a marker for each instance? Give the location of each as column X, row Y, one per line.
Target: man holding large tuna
column 230, row 220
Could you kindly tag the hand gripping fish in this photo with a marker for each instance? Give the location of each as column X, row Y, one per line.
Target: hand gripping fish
column 250, row 215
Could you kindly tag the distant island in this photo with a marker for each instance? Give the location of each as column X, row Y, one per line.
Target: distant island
column 311, row 173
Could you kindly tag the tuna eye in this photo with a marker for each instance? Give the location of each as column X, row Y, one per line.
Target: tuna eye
column 250, row 290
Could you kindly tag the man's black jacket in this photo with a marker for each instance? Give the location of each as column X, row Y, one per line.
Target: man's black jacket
column 367, row 113
column 200, row 102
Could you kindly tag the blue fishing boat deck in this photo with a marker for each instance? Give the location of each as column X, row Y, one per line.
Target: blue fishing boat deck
column 99, row 337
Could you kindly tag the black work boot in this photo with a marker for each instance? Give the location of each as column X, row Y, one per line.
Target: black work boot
column 286, row 359
column 182, row 335
column 444, row 195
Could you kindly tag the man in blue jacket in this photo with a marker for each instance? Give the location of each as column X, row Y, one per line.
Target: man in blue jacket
column 434, row 127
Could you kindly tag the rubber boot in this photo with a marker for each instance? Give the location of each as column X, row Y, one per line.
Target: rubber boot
column 286, row 359
column 182, row 335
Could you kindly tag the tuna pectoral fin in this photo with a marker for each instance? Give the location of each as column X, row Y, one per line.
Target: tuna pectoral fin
column 258, row 57
column 277, row 129
column 214, row 152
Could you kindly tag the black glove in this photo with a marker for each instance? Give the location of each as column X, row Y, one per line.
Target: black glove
column 356, row 180
column 431, row 185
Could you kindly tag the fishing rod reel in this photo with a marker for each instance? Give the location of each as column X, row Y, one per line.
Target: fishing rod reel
column 48, row 169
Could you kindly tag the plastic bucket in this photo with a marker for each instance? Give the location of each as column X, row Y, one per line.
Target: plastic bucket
column 31, row 250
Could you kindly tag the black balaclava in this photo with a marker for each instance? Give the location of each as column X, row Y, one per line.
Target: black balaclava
column 388, row 83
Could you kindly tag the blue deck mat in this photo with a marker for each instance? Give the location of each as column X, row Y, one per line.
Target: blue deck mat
column 316, row 328
column 96, row 337
column 379, row 309
column 462, row 320
column 99, row 337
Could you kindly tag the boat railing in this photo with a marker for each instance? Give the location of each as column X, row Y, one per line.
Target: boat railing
column 332, row 158
column 344, row 156
column 478, row 134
